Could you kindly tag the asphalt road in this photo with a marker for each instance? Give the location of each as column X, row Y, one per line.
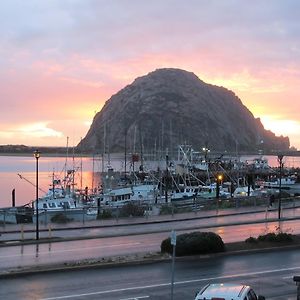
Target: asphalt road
column 59, row 252
column 269, row 273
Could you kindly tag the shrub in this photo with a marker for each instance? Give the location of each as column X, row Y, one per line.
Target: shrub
column 168, row 210
column 131, row 209
column 269, row 237
column 284, row 237
column 251, row 240
column 60, row 218
column 279, row 237
column 105, row 214
column 194, row 243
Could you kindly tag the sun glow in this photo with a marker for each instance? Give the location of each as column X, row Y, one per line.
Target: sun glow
column 280, row 127
column 40, row 129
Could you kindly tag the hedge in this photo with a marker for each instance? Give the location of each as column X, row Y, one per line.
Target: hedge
column 194, row 243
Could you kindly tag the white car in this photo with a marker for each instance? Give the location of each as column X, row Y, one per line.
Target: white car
column 227, row 291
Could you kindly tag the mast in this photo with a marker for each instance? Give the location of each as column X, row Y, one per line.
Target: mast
column 80, row 166
column 73, row 173
column 66, row 163
column 125, row 153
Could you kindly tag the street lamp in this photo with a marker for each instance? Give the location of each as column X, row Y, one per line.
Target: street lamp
column 219, row 181
column 36, row 154
column 279, row 158
column 206, row 151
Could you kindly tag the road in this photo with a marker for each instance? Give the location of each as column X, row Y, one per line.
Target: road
column 269, row 273
column 59, row 252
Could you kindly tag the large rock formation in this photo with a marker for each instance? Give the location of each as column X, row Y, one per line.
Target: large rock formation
column 169, row 107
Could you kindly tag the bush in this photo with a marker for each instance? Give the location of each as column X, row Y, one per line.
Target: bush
column 251, row 240
column 284, row 237
column 194, row 243
column 60, row 218
column 105, row 214
column 168, row 210
column 131, row 209
column 269, row 237
column 279, row 237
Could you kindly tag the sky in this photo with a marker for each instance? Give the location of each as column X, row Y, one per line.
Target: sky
column 60, row 60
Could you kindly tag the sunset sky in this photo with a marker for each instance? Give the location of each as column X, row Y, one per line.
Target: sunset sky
column 62, row 59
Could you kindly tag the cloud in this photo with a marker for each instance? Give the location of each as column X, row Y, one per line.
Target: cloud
column 38, row 130
column 60, row 60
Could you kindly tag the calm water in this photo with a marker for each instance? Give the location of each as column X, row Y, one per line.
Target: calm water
column 11, row 166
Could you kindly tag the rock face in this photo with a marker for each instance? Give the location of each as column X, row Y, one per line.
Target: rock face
column 169, row 107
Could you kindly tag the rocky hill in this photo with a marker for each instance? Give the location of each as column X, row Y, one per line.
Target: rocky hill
column 169, row 107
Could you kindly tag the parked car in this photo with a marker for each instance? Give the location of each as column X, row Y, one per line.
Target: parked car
column 227, row 291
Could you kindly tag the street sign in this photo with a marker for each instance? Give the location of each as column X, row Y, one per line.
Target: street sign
column 173, row 238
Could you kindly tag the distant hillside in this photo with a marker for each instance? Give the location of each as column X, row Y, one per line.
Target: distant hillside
column 169, row 107
column 22, row 149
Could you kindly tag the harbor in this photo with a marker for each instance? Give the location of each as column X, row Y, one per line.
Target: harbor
column 96, row 187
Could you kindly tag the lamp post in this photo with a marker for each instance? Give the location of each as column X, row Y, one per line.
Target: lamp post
column 36, row 154
column 206, row 151
column 280, row 157
column 219, row 181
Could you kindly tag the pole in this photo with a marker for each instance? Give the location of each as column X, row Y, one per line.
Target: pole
column 166, row 179
column 37, row 197
column 37, row 156
column 173, row 271
column 13, row 195
column 218, row 189
column 280, row 157
column 125, row 154
column 173, row 242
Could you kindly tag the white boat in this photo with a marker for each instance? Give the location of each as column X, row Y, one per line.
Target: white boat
column 63, row 199
column 259, row 163
column 141, row 193
column 285, row 182
column 242, row 191
column 69, row 207
column 16, row 215
column 184, row 192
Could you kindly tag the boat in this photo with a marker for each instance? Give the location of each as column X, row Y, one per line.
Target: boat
column 258, row 163
column 62, row 198
column 139, row 194
column 16, row 215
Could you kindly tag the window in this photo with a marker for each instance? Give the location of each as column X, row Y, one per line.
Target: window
column 251, row 295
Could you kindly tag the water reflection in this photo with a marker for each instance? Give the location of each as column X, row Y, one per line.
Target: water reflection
column 37, row 250
column 11, row 166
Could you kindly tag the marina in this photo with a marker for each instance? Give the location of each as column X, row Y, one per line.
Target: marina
column 87, row 187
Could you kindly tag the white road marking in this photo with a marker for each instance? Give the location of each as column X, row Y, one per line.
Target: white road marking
column 287, row 277
column 68, row 250
column 136, row 298
column 168, row 284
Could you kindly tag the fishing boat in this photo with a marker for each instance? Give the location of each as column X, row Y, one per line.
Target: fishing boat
column 63, row 198
column 139, row 194
column 16, row 215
